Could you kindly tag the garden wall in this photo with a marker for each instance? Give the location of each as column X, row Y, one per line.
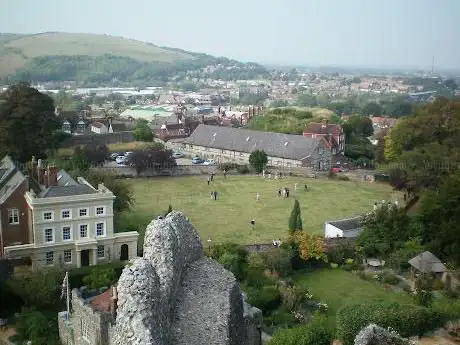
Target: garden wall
column 98, row 139
column 181, row 170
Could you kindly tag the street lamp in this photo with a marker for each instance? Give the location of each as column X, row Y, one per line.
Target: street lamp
column 209, row 246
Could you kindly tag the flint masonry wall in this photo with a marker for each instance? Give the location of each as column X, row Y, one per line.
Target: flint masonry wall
column 174, row 295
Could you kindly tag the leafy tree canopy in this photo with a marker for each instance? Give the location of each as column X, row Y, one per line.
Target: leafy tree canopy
column 142, row 131
column 26, row 111
column 258, row 160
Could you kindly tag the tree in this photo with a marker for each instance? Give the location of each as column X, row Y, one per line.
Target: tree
column 372, row 108
column 295, row 220
column 385, row 230
column 423, row 290
column 258, row 160
column 38, row 289
column 380, row 148
column 142, row 131
column 28, row 125
column 36, row 327
column 124, row 199
column 95, row 154
column 310, row 247
column 439, row 214
column 154, row 158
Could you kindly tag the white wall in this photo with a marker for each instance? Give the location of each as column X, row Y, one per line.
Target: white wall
column 330, row 231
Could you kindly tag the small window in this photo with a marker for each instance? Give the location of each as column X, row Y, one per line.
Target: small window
column 100, row 229
column 83, row 212
column 100, row 211
column 320, row 150
column 13, row 216
column 66, row 233
column 49, row 236
column 67, row 256
column 49, row 258
column 65, row 214
column 100, row 252
column 83, row 230
column 286, row 143
column 47, row 215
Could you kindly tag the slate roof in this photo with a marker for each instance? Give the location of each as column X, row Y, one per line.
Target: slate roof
column 426, row 262
column 351, row 227
column 288, row 146
column 10, row 178
column 59, row 191
column 64, row 179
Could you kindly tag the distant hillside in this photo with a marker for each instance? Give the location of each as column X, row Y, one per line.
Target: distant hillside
column 93, row 59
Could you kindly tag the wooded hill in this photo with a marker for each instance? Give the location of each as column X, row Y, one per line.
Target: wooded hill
column 91, row 59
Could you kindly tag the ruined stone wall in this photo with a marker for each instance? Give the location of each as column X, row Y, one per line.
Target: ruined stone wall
column 176, row 296
column 89, row 326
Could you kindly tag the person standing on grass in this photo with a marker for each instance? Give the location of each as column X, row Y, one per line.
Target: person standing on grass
column 295, row 186
column 215, row 195
column 209, row 180
column 279, row 192
column 258, row 196
column 212, row 177
column 225, row 174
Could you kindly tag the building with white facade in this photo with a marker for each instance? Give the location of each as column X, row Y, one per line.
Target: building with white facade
column 71, row 223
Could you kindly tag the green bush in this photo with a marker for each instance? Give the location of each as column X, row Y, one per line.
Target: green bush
column 364, row 276
column 275, row 260
column 77, row 275
column 100, row 277
column 243, row 169
column 227, row 166
column 407, row 320
column 292, row 297
column 315, row 332
column 266, row 298
column 387, row 277
column 232, row 256
column 36, row 327
column 281, row 317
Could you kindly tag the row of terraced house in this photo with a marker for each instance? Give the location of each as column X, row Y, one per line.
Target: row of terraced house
column 48, row 218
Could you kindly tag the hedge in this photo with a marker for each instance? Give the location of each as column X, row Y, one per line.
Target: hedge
column 407, row 320
column 76, row 275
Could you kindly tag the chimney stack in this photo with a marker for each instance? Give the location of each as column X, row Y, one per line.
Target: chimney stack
column 40, row 171
column 52, row 175
column 45, row 178
column 34, row 167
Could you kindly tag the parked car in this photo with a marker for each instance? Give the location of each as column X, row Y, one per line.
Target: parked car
column 177, row 155
column 197, row 160
column 114, row 156
column 128, row 154
column 121, row 159
column 209, row 162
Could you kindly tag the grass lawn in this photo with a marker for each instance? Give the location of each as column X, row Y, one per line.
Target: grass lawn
column 338, row 288
column 227, row 219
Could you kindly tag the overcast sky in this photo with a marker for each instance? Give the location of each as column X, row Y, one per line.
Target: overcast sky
column 367, row 33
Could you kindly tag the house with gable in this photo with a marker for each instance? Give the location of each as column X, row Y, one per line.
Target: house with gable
column 227, row 144
column 61, row 221
column 333, row 133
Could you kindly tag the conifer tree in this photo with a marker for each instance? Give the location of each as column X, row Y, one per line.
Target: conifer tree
column 295, row 220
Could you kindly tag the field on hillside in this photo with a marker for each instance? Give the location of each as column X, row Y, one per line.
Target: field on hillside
column 16, row 50
column 291, row 120
column 228, row 218
column 338, row 288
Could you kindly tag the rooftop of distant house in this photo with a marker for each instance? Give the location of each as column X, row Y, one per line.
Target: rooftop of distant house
column 323, row 128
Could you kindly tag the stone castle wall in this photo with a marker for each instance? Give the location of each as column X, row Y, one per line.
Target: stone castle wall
column 98, row 139
column 174, row 295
